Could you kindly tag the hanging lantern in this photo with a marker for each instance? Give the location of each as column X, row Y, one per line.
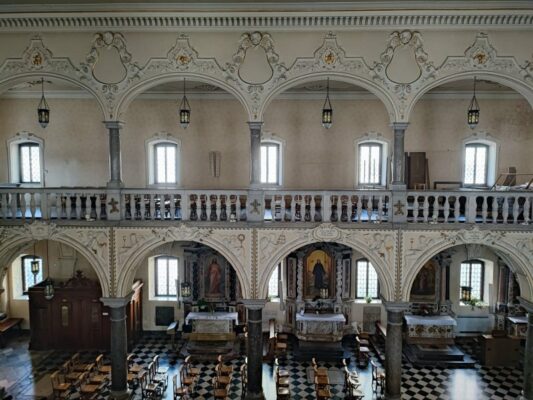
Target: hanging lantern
column 473, row 110
column 34, row 267
column 324, row 292
column 185, row 289
column 185, row 110
column 327, row 111
column 466, row 293
column 43, row 111
column 49, row 289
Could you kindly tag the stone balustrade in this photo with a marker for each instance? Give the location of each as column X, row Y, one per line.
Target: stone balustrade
column 268, row 206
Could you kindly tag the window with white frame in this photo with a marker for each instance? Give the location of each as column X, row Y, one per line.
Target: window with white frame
column 28, row 278
column 270, row 162
column 166, row 275
column 476, row 164
column 472, row 275
column 370, row 163
column 273, row 283
column 367, row 283
column 165, row 163
column 163, row 153
column 26, row 164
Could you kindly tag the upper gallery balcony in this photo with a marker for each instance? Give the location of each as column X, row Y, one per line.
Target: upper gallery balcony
column 357, row 207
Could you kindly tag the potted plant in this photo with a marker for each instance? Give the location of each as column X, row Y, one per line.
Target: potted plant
column 368, row 299
column 202, row 305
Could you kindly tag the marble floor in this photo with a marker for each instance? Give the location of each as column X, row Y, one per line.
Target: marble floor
column 25, row 374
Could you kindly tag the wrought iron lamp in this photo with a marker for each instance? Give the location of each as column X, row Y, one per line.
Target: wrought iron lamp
column 466, row 293
column 43, row 111
column 473, row 110
column 185, row 110
column 327, row 110
column 185, row 289
column 324, row 292
column 34, row 265
column 48, row 284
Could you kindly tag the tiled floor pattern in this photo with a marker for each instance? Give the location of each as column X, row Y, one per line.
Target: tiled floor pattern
column 21, row 370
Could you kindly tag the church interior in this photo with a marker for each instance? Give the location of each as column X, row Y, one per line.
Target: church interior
column 266, row 200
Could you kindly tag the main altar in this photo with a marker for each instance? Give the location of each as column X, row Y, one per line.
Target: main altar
column 212, row 325
column 320, row 327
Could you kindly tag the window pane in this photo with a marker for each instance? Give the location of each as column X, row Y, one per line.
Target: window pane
column 374, row 164
column 481, row 165
column 272, row 164
column 172, row 276
column 476, row 280
column 171, row 164
column 470, row 160
column 372, row 282
column 465, row 275
column 263, row 164
column 362, row 267
column 472, row 276
column 162, row 277
column 25, row 169
column 35, row 164
column 166, row 274
column 364, row 164
column 160, row 164
column 273, row 283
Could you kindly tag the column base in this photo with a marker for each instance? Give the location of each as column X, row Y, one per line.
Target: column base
column 115, row 185
column 121, row 394
column 398, row 186
column 254, row 396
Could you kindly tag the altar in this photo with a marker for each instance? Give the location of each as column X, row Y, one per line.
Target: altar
column 320, row 327
column 212, row 325
column 435, row 329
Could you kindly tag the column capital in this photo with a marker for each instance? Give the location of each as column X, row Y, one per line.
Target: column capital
column 114, row 124
column 116, row 302
column 255, row 125
column 400, row 126
column 254, row 304
column 396, row 306
column 528, row 305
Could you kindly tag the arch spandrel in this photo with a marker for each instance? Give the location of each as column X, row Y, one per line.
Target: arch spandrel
column 91, row 243
column 133, row 245
column 379, row 246
column 516, row 248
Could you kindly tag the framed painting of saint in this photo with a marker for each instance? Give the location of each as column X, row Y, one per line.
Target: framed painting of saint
column 214, row 278
column 425, row 284
column 319, row 274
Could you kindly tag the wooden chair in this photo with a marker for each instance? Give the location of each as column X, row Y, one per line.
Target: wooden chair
column 319, row 371
column 192, row 371
column 282, row 376
column 283, row 392
column 219, row 391
column 159, row 374
column 224, row 369
column 70, row 375
column 280, row 371
column 180, row 392
column 61, row 388
column 351, row 385
column 222, row 379
column 149, row 390
column 96, row 378
column 100, row 367
column 88, row 391
column 132, row 367
column 244, row 380
column 378, row 377
column 187, row 380
column 322, row 393
column 78, row 366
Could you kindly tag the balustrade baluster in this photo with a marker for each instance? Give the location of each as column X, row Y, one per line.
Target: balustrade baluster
column 142, row 206
column 33, row 207
column 151, row 206
column 22, row 206
column 359, row 208
column 526, row 213
column 312, row 207
column 68, row 202
column 495, row 209
column 370, row 207
column 515, row 209
column 380, row 208
column 484, row 209
column 77, row 199
column 172, row 206
column 98, row 206
column 425, row 209
column 13, row 205
column 505, row 210
column 184, row 206
column 3, row 205
column 446, row 208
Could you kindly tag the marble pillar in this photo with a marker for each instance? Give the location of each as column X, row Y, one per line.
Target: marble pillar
column 255, row 349
column 393, row 349
column 398, row 170
column 255, row 153
column 115, row 162
column 527, row 391
column 119, row 350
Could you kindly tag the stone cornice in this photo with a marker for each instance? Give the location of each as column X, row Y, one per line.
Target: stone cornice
column 273, row 20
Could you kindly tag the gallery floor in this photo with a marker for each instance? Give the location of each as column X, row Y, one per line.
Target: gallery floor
column 25, row 375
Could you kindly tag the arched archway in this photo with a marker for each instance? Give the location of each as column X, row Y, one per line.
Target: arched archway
column 503, row 79
column 383, row 95
column 125, row 100
column 516, row 258
column 13, row 80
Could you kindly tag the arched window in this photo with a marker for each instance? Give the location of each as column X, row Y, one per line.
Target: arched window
column 372, row 152
column 163, row 154
column 270, row 162
column 473, row 275
column 26, row 166
column 273, row 283
column 367, row 283
column 165, row 276
column 479, row 161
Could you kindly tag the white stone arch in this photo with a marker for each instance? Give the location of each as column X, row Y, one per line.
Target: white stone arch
column 380, row 92
column 384, row 269
column 10, row 248
column 12, row 80
column 517, row 260
column 132, row 260
column 508, row 80
column 133, row 91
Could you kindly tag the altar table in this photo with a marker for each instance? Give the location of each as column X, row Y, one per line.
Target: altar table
column 320, row 327
column 212, row 326
column 430, row 329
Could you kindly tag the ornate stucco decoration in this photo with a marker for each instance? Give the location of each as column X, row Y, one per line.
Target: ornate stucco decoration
column 91, row 243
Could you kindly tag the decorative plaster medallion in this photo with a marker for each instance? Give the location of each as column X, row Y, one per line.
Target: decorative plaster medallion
column 255, row 58
column 326, row 233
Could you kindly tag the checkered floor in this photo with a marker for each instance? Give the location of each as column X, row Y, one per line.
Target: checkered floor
column 21, row 370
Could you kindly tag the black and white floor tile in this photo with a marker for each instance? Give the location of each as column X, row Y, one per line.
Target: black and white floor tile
column 21, row 370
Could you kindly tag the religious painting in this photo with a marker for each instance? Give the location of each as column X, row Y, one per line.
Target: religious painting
column 346, row 277
column 425, row 285
column 318, row 274
column 292, row 271
column 214, row 278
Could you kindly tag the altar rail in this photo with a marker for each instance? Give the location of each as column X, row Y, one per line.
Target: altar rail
column 349, row 206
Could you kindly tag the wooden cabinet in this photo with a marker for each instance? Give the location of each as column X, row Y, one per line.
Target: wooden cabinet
column 499, row 351
column 75, row 318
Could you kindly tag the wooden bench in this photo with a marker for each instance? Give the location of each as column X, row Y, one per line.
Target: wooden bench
column 381, row 330
column 6, row 325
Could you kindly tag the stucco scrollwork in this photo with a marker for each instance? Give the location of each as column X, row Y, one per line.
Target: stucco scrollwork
column 182, row 54
column 268, row 244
